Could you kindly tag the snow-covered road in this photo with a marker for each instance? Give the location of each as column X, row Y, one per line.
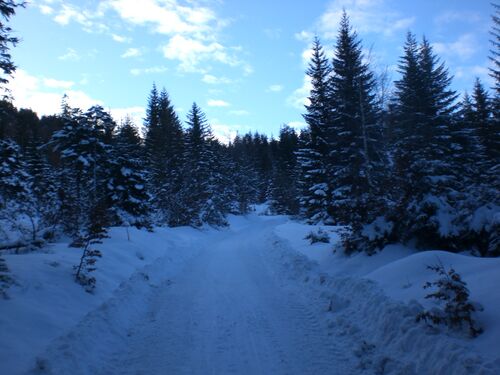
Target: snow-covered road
column 240, row 300
column 228, row 314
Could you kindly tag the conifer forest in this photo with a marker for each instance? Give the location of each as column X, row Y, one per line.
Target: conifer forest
column 383, row 163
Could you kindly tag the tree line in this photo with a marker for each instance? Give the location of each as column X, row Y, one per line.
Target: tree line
column 417, row 165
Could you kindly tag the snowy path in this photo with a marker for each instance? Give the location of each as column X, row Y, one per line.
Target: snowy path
column 226, row 314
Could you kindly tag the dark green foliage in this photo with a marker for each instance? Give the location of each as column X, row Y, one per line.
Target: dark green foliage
column 314, row 145
column 14, row 186
column 164, row 148
column 127, row 193
column 458, row 310
column 201, row 195
column 7, row 67
column 284, row 189
column 355, row 158
column 495, row 57
column 425, row 170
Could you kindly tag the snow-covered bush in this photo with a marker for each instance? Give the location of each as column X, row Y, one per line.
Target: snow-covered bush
column 319, row 236
column 95, row 233
column 368, row 238
column 5, row 279
column 458, row 310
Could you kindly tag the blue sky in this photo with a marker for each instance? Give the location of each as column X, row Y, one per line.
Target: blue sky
column 243, row 62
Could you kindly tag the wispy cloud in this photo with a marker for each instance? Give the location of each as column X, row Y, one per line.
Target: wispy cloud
column 367, row 16
column 120, row 38
column 213, row 80
column 239, row 112
column 57, row 84
column 192, row 31
column 70, row 55
column 464, row 47
column 299, row 97
column 150, row 70
column 469, row 73
column 217, row 103
column 451, row 16
column 131, row 52
column 275, row 88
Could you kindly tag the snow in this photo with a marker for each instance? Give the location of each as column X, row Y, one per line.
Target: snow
column 254, row 298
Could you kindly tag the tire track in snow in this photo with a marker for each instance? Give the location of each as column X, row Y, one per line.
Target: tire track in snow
column 228, row 313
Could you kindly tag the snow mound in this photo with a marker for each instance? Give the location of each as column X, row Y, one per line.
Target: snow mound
column 46, row 303
column 371, row 302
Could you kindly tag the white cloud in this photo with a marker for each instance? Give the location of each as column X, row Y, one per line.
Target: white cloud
column 225, row 133
column 239, row 112
column 192, row 29
column 87, row 19
column 297, row 125
column 275, row 88
column 166, row 16
column 38, row 94
column 217, row 103
column 464, row 47
column 308, row 53
column 304, row 36
column 137, row 114
column 366, row 16
column 213, row 80
column 45, row 9
column 471, row 72
column 131, row 52
column 151, row 70
column 299, row 97
column 120, row 38
column 190, row 52
column 451, row 16
column 70, row 55
column 57, row 84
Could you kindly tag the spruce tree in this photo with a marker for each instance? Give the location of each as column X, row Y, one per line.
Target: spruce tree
column 200, row 192
column 127, row 193
column 7, row 67
column 495, row 58
column 425, row 173
column 355, row 158
column 284, row 192
column 313, row 153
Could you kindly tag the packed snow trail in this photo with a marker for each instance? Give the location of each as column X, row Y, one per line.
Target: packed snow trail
column 226, row 314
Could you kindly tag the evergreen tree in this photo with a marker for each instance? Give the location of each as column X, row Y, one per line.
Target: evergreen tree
column 13, row 176
column 244, row 176
column 355, row 161
column 7, row 67
column 200, row 196
column 425, row 173
column 127, row 187
column 313, row 153
column 284, row 193
column 488, row 128
column 83, row 174
column 495, row 59
column 164, row 145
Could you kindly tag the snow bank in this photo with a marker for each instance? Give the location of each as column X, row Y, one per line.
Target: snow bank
column 45, row 302
column 374, row 300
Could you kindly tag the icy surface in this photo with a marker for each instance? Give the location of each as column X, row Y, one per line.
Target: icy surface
column 256, row 298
